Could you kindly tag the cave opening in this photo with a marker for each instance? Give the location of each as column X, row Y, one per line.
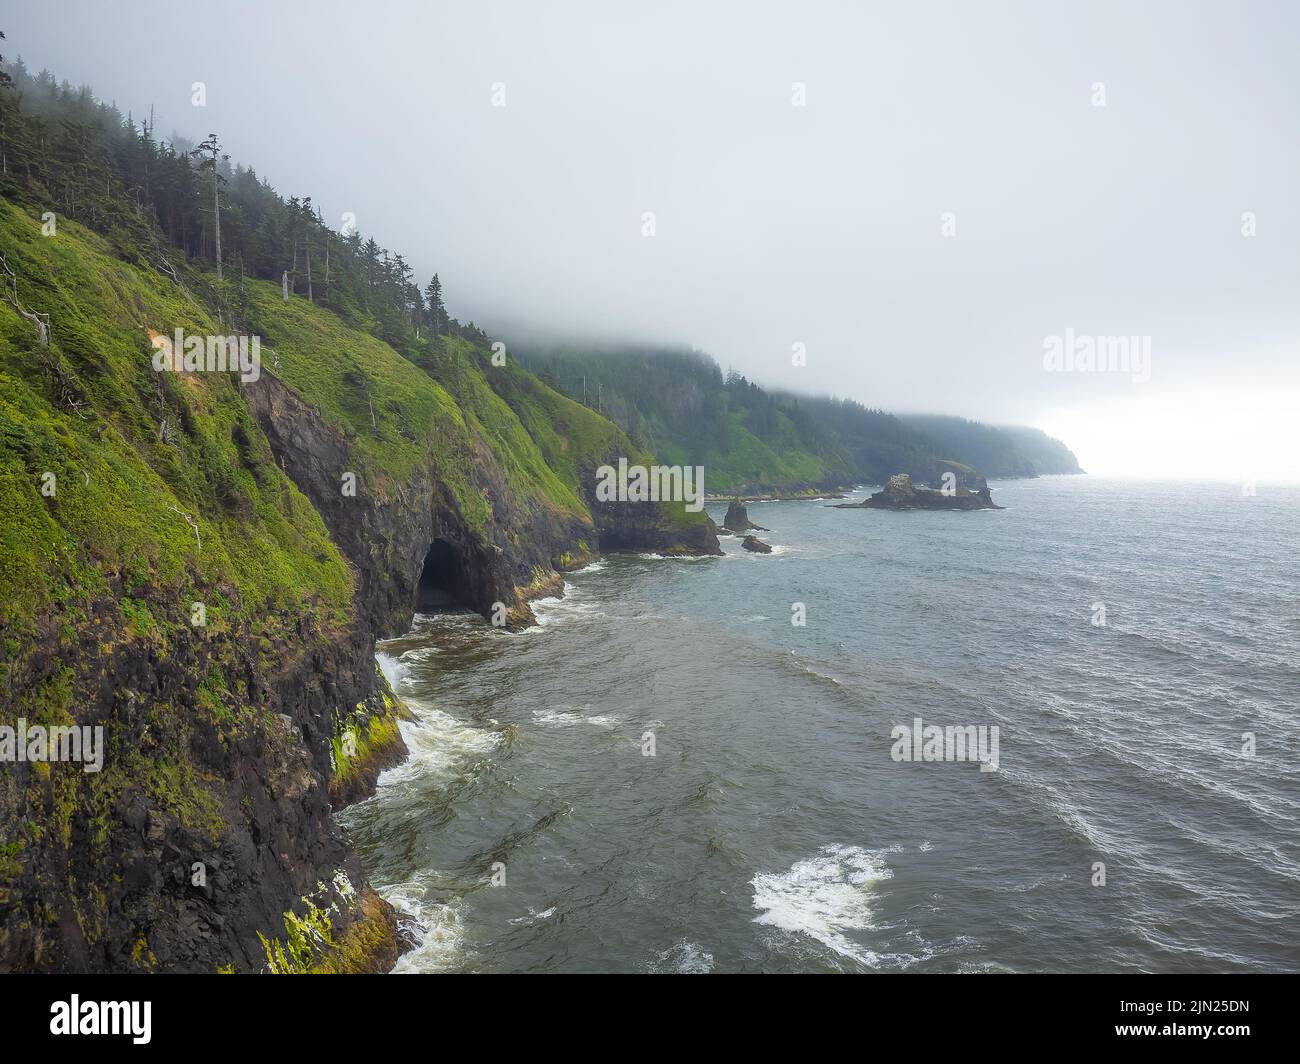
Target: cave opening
column 444, row 580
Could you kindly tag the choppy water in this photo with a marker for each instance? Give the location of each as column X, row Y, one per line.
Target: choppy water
column 772, row 831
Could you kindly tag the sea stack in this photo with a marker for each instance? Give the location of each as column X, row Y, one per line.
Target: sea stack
column 756, row 545
column 737, row 519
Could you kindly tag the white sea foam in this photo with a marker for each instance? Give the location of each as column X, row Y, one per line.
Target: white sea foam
column 574, row 606
column 741, row 552
column 560, row 719
column 682, row 958
column 441, row 936
column 533, row 914
column 392, row 668
column 439, row 746
column 823, row 897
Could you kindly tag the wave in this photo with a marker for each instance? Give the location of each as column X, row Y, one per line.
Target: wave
column 777, row 550
column 392, row 668
column 682, row 958
column 440, row 745
column 806, row 669
column 534, row 915
column 556, row 610
column 439, row 932
column 824, row 897
column 561, row 719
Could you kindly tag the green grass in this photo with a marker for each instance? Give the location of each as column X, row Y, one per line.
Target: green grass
column 396, row 415
column 121, row 492
column 746, row 461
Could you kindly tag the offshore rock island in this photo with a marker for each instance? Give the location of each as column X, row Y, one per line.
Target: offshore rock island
column 899, row 493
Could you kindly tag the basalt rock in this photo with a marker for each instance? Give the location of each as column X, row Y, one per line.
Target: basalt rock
column 756, row 545
column 899, row 493
column 737, row 519
column 206, row 826
column 309, row 512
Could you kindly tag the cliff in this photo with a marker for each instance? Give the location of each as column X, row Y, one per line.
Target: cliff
column 200, row 567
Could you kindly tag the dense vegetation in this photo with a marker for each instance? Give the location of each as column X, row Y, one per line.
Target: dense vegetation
column 1002, row 451
column 130, row 496
column 682, row 407
column 155, row 199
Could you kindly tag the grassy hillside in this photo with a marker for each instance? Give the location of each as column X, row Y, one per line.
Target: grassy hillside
column 130, row 497
column 184, row 569
column 682, row 407
column 161, row 480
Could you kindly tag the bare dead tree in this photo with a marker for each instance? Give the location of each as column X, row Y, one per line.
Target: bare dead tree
column 191, row 521
column 40, row 322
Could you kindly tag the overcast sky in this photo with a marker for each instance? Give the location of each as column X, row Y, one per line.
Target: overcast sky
column 777, row 224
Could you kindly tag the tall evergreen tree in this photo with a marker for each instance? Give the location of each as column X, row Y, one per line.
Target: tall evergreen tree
column 207, row 153
column 437, row 312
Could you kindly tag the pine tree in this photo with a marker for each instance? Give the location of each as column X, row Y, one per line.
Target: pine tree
column 437, row 312
column 207, row 152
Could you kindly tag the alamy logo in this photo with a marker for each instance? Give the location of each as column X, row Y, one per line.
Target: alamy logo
column 102, row 1017
column 656, row 484
column 209, row 354
column 1075, row 353
column 930, row 742
column 57, row 743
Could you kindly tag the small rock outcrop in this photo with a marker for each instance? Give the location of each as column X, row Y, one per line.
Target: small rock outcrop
column 756, row 545
column 899, row 493
column 737, row 519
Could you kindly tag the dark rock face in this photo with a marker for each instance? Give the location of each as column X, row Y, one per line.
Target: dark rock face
column 637, row 526
column 756, row 545
column 414, row 546
column 899, row 493
column 116, row 890
column 388, row 535
column 737, row 519
column 168, row 874
column 645, row 527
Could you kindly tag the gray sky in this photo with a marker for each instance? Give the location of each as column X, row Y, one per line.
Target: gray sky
column 778, row 224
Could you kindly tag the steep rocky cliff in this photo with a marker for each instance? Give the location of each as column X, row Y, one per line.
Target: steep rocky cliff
column 200, row 567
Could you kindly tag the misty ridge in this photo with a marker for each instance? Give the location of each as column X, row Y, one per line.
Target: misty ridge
column 751, row 440
column 678, row 404
column 868, row 184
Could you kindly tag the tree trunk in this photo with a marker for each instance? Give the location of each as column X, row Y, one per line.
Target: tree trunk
column 216, row 210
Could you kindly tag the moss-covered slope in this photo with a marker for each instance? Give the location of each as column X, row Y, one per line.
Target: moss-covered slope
column 200, row 566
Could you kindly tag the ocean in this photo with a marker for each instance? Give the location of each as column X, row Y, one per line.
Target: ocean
column 668, row 775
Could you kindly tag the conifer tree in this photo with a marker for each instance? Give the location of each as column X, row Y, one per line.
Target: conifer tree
column 437, row 312
column 207, row 152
